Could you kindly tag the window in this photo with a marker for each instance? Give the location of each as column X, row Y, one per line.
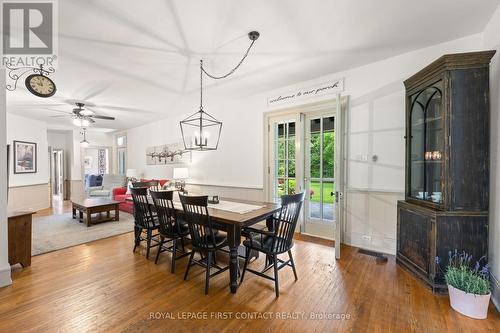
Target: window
column 121, row 144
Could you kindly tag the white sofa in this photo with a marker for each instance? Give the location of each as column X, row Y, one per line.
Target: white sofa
column 109, row 182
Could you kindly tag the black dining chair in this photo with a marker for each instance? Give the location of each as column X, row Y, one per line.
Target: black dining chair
column 277, row 240
column 171, row 228
column 204, row 237
column 144, row 219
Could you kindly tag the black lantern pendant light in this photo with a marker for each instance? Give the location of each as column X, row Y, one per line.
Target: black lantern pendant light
column 200, row 131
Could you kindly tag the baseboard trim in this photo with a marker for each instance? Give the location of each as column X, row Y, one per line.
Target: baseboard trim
column 5, row 278
column 495, row 292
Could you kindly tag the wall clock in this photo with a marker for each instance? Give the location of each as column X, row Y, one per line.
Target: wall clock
column 40, row 85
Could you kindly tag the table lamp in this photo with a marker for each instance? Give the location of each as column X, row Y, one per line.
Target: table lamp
column 132, row 175
column 180, row 175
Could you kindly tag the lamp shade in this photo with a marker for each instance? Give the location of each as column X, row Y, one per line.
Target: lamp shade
column 181, row 173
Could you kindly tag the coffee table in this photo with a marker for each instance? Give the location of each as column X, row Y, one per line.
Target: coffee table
column 99, row 206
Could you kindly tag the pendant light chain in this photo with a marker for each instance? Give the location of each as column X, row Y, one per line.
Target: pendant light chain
column 232, row 70
column 203, row 123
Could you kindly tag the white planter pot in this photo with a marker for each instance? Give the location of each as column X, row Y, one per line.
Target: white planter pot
column 471, row 305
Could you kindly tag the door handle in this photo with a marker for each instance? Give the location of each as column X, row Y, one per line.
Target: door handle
column 331, row 193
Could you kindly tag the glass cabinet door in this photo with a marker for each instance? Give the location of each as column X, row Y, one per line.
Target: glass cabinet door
column 426, row 144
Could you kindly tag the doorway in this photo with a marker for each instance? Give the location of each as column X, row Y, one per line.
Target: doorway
column 57, row 176
column 304, row 152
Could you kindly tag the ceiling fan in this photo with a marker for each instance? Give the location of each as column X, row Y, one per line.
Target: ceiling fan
column 84, row 116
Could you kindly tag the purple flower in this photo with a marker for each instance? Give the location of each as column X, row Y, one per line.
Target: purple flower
column 485, row 270
column 449, row 254
column 437, row 260
column 476, row 268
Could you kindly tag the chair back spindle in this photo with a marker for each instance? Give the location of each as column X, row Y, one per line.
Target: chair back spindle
column 142, row 209
column 199, row 222
column 164, row 207
column 286, row 222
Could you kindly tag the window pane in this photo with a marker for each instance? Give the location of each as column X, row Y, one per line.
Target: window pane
column 315, row 155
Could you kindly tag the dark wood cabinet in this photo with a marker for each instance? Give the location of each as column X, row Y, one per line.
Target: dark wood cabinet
column 19, row 231
column 447, row 164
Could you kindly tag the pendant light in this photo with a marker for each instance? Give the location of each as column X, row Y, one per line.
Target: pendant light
column 201, row 131
column 84, row 142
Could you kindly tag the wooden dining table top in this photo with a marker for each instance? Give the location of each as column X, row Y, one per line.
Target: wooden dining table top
column 243, row 219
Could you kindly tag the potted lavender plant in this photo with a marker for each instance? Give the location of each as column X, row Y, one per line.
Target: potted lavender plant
column 468, row 285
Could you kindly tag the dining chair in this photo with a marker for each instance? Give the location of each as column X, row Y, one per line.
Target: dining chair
column 144, row 218
column 277, row 240
column 204, row 238
column 171, row 228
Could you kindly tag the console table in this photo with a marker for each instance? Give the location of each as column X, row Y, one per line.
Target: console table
column 19, row 237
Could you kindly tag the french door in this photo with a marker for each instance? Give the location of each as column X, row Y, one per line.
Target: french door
column 305, row 152
column 283, row 137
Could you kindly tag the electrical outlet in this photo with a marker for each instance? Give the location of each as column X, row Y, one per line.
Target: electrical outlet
column 366, row 238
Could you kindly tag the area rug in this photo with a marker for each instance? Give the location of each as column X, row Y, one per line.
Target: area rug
column 57, row 232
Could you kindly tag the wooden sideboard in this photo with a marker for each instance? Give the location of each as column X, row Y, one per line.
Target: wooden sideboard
column 20, row 237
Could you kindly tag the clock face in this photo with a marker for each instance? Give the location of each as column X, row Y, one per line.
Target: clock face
column 40, row 85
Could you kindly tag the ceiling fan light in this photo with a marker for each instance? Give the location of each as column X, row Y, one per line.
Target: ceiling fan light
column 77, row 122
column 86, row 112
column 85, row 123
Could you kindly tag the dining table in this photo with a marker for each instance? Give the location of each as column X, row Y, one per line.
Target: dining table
column 231, row 215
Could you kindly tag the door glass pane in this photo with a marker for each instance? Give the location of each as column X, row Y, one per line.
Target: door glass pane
column 315, row 148
column 281, row 187
column 328, row 147
column 281, row 168
column 315, row 199
column 291, row 186
column 434, row 145
column 329, row 200
column 284, row 158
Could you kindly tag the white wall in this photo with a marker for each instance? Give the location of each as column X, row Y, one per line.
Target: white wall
column 376, row 118
column 492, row 41
column 26, row 129
column 4, row 257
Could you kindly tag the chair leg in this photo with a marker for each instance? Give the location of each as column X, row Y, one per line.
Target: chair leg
column 174, row 252
column 293, row 264
column 149, row 236
column 189, row 265
column 207, row 277
column 137, row 239
column 276, row 283
column 182, row 244
column 247, row 258
column 162, row 239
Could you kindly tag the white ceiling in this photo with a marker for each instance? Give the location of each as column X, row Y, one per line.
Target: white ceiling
column 143, row 56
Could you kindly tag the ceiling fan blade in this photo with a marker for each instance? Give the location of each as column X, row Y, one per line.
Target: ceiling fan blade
column 123, row 108
column 102, row 117
column 60, row 116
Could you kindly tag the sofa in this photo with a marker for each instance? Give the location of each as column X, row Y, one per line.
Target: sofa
column 120, row 195
column 109, row 182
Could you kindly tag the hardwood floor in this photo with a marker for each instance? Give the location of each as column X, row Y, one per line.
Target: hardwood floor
column 103, row 286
